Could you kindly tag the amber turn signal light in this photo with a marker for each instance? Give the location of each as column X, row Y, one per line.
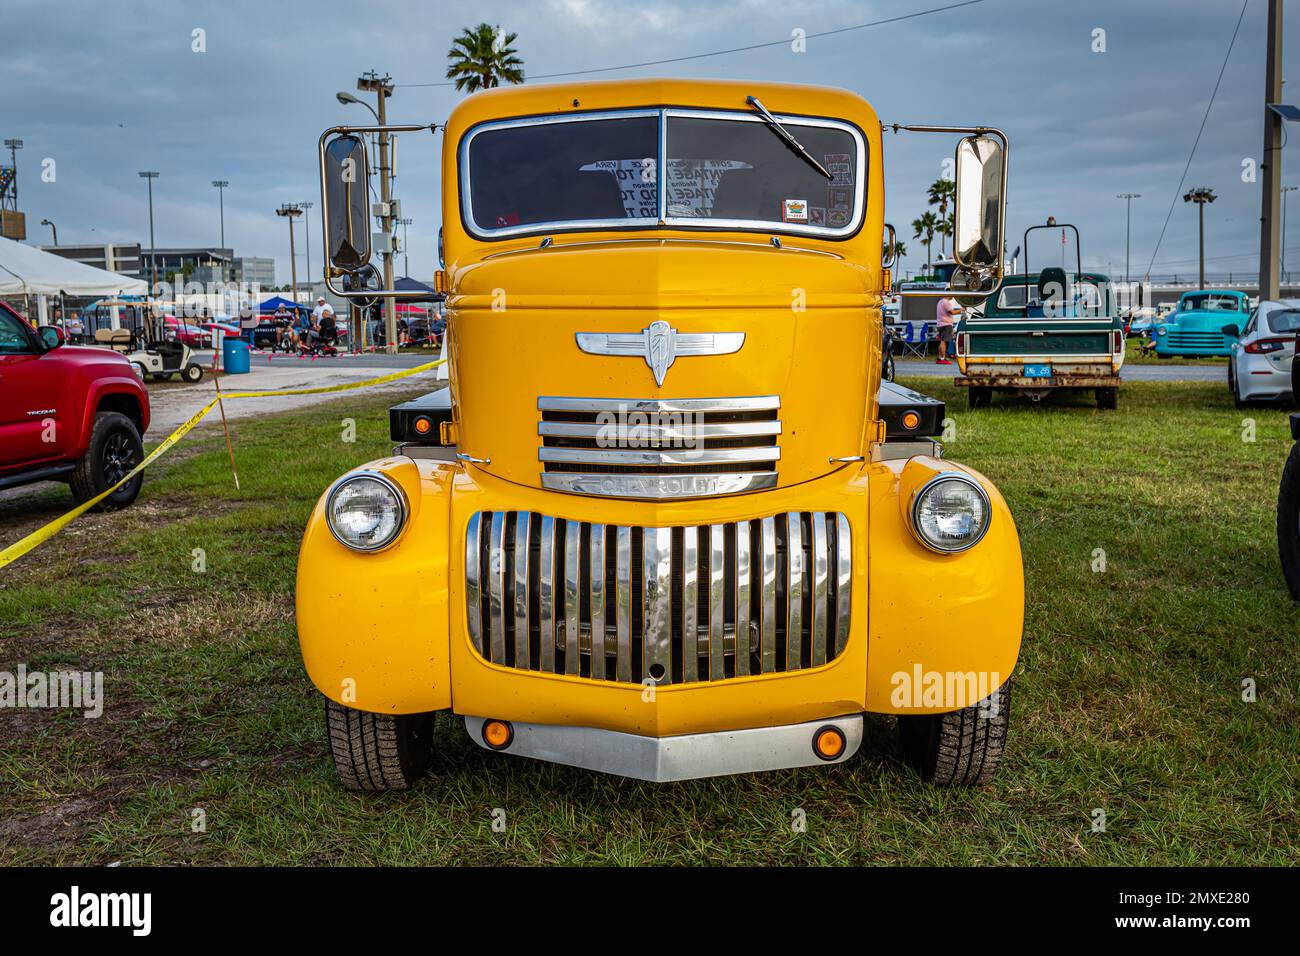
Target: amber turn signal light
column 829, row 743
column 498, row 734
column 911, row 420
column 423, row 425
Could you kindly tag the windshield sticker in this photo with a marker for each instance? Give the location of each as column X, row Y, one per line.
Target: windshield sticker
column 840, row 166
column 692, row 185
column 637, row 180
column 817, row 216
column 794, row 210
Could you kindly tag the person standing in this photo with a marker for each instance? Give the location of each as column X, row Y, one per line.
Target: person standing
column 946, row 314
column 247, row 323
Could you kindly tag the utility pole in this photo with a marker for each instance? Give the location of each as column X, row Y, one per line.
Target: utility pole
column 149, row 176
column 1272, row 161
column 1202, row 195
column 1128, row 226
column 13, row 145
column 382, row 87
column 221, row 185
column 406, row 250
column 290, row 212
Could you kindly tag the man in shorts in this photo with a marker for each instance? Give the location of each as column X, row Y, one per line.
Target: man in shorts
column 945, row 318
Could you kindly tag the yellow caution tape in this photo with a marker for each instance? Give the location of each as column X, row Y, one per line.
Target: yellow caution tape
column 41, row 535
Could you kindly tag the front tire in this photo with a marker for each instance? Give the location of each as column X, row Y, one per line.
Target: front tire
column 115, row 448
column 378, row 751
column 960, row 748
column 1288, row 522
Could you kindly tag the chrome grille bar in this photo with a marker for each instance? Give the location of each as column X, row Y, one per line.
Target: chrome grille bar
column 648, row 456
column 696, row 603
column 749, row 403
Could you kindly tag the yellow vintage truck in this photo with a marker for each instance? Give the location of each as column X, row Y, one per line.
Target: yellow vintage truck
column 662, row 523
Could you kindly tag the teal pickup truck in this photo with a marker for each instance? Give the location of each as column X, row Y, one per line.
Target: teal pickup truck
column 1040, row 334
column 1196, row 326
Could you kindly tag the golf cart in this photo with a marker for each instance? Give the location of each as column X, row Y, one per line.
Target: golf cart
column 155, row 355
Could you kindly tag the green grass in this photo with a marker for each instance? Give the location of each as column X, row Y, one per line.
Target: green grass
column 1127, row 696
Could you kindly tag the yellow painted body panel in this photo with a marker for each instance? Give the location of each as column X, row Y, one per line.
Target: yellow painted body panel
column 394, row 623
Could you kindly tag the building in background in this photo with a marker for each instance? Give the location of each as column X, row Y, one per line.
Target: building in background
column 254, row 270
column 124, row 258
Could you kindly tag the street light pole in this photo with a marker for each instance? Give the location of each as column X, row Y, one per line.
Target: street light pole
column 382, row 87
column 54, row 229
column 1282, row 262
column 1201, row 195
column 149, row 176
column 1128, row 223
column 290, row 212
column 406, row 250
column 306, row 225
column 221, row 185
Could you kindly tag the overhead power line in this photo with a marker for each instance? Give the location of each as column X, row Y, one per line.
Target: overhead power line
column 739, row 49
column 1208, row 106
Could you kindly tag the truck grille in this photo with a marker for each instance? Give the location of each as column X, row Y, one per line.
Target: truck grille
column 670, row 605
column 1195, row 340
column 659, row 448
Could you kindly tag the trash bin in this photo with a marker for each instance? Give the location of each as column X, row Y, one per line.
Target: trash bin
column 235, row 356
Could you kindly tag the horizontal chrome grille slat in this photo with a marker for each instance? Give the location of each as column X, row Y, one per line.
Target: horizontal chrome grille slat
column 749, row 403
column 695, row 603
column 680, row 456
column 657, row 447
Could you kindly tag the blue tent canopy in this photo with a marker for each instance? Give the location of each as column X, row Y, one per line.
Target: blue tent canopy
column 273, row 303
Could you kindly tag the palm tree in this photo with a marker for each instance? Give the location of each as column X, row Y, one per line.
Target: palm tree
column 942, row 193
column 925, row 227
column 481, row 58
column 900, row 250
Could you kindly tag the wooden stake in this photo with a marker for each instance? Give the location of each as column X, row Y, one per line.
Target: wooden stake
column 225, row 426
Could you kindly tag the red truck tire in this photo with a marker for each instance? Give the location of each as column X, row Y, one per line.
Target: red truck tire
column 115, row 448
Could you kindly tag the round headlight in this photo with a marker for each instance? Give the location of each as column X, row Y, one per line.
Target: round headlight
column 950, row 513
column 365, row 511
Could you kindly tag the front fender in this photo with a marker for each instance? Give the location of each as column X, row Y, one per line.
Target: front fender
column 373, row 627
column 958, row 616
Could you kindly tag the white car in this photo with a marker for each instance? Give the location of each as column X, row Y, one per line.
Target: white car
column 1259, row 368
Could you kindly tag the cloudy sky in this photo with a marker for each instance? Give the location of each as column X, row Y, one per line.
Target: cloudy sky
column 101, row 89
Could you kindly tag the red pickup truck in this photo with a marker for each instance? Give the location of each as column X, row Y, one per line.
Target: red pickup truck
column 68, row 413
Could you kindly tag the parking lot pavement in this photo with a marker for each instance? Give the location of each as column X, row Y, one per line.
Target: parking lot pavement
column 1131, row 373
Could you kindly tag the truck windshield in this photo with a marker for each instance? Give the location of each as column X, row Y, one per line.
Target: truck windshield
column 1082, row 299
column 1211, row 303
column 724, row 170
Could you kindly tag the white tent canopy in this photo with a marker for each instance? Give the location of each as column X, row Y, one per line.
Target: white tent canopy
column 26, row 270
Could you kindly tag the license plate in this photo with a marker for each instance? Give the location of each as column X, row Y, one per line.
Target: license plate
column 1038, row 371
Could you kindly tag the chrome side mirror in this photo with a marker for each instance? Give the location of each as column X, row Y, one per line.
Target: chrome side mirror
column 889, row 254
column 345, row 178
column 980, row 208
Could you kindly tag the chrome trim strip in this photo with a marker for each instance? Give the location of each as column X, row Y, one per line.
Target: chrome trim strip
column 794, row 591
column 648, row 433
column 546, row 594
column 820, row 588
column 473, row 588
column 683, row 757
column 623, row 579
column 769, row 595
column 742, row 572
column 843, row 581
column 748, row 403
column 523, row 538
column 690, row 603
column 717, row 602
column 657, row 604
column 657, row 486
column 672, row 456
column 572, row 599
column 596, row 598
column 497, row 586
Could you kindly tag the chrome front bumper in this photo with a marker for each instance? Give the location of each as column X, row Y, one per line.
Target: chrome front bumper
column 685, row 757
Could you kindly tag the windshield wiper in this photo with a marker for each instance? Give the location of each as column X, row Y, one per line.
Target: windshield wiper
column 787, row 136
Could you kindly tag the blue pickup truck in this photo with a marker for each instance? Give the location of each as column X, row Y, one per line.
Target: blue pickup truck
column 1196, row 326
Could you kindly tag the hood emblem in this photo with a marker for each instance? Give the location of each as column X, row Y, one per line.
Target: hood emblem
column 660, row 344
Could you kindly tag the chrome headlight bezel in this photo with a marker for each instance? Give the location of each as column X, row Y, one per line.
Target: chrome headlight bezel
column 919, row 495
column 403, row 509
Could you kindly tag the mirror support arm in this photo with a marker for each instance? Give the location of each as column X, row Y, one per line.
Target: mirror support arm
column 325, row 209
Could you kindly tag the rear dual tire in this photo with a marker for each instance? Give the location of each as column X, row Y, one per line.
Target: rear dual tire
column 960, row 748
column 378, row 751
column 979, row 396
column 1108, row 398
